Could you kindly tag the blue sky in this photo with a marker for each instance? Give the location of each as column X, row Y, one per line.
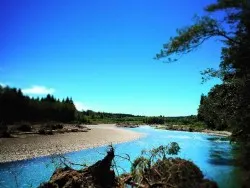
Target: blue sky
column 101, row 53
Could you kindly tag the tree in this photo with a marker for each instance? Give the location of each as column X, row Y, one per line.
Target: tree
column 15, row 107
column 226, row 105
column 234, row 31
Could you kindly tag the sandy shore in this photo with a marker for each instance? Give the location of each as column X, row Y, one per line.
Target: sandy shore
column 12, row 149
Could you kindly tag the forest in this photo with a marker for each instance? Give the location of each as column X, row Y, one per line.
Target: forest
column 15, row 107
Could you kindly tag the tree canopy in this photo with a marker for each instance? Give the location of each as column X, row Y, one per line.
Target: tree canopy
column 16, row 107
column 226, row 106
column 233, row 29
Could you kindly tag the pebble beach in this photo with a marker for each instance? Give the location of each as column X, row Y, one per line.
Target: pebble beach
column 31, row 146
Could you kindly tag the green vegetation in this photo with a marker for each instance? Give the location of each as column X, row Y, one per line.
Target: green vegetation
column 154, row 120
column 218, row 109
column 91, row 117
column 183, row 123
column 227, row 106
column 15, row 107
column 155, row 168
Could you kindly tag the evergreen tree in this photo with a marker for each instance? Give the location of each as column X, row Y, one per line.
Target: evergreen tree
column 226, row 105
column 15, row 107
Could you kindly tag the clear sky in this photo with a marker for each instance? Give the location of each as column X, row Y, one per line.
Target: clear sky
column 100, row 52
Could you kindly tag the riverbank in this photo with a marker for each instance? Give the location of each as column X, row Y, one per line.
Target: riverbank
column 31, row 146
column 185, row 128
column 217, row 133
column 193, row 129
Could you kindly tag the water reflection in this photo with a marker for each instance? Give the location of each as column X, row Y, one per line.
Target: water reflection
column 220, row 154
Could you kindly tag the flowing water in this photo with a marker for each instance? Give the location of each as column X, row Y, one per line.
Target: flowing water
column 212, row 154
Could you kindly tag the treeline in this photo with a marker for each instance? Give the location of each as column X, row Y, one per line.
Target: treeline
column 183, row 120
column 16, row 107
column 179, row 120
column 106, row 114
column 154, row 120
column 90, row 116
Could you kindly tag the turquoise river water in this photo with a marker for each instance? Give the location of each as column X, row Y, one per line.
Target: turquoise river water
column 212, row 154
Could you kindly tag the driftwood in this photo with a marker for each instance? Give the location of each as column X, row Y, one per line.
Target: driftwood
column 98, row 175
column 166, row 173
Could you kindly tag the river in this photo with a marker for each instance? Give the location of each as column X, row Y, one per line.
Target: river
column 212, row 154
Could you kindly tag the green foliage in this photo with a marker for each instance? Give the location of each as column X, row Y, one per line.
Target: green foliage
column 15, row 107
column 227, row 106
column 217, row 109
column 92, row 117
column 154, row 169
column 139, row 167
column 149, row 158
column 81, row 118
column 182, row 120
column 154, row 120
column 189, row 38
